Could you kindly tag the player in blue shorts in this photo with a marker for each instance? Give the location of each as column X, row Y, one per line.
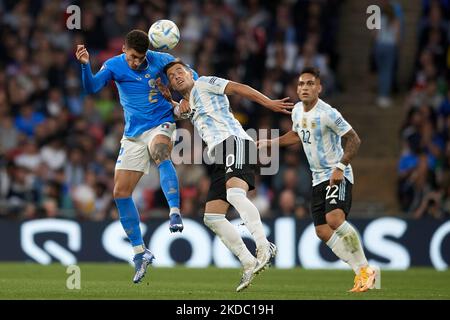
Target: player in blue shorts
column 149, row 125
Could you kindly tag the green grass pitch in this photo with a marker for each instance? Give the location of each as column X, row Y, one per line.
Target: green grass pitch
column 113, row 281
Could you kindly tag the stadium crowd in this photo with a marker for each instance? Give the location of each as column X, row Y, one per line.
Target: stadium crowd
column 424, row 164
column 58, row 146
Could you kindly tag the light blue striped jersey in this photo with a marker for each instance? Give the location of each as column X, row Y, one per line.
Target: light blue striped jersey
column 320, row 130
column 211, row 112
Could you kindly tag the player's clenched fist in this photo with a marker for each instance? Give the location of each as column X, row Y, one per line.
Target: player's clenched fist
column 82, row 54
column 182, row 110
column 185, row 108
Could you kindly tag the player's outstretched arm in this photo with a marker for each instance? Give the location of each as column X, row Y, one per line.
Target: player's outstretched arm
column 285, row 140
column 281, row 105
column 91, row 83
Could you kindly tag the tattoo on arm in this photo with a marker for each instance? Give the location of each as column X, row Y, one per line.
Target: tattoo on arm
column 352, row 143
column 160, row 152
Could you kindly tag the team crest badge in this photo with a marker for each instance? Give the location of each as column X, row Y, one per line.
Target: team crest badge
column 304, row 125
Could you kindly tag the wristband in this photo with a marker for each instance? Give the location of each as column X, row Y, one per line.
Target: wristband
column 341, row 166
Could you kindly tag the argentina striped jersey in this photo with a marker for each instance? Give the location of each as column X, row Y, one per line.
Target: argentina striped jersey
column 320, row 130
column 211, row 114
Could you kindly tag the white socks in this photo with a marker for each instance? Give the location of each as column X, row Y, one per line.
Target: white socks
column 337, row 246
column 230, row 238
column 237, row 197
column 139, row 249
column 350, row 242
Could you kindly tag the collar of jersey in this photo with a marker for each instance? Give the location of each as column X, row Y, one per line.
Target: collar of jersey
column 318, row 100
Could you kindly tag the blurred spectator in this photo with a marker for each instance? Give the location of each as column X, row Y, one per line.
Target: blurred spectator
column 286, row 203
column 117, row 21
column 9, row 135
column 28, row 119
column 53, row 153
column 289, row 206
column 424, row 165
column 21, row 191
column 434, row 205
column 58, row 146
column 386, row 42
column 310, row 58
column 75, row 167
column 29, row 156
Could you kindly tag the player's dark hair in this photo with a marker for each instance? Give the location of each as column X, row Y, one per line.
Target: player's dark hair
column 137, row 40
column 311, row 70
column 174, row 62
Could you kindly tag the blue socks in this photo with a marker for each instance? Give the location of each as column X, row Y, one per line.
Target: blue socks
column 169, row 183
column 129, row 218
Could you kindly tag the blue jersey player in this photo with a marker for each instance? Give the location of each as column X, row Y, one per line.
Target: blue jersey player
column 149, row 125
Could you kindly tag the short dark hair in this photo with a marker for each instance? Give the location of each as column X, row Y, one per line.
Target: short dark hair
column 311, row 70
column 137, row 40
column 172, row 63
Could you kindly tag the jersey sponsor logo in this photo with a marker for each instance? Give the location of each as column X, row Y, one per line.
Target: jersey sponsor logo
column 313, row 124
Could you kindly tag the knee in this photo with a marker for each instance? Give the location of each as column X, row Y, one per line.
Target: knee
column 234, row 194
column 321, row 234
column 121, row 192
column 160, row 152
column 335, row 222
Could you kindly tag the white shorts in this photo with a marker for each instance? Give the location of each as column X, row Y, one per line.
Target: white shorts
column 134, row 152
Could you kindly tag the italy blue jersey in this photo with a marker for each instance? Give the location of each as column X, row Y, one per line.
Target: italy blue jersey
column 143, row 104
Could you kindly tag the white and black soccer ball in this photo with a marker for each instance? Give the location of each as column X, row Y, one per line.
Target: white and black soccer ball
column 164, row 35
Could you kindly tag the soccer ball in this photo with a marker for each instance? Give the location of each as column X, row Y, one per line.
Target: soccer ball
column 164, row 34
